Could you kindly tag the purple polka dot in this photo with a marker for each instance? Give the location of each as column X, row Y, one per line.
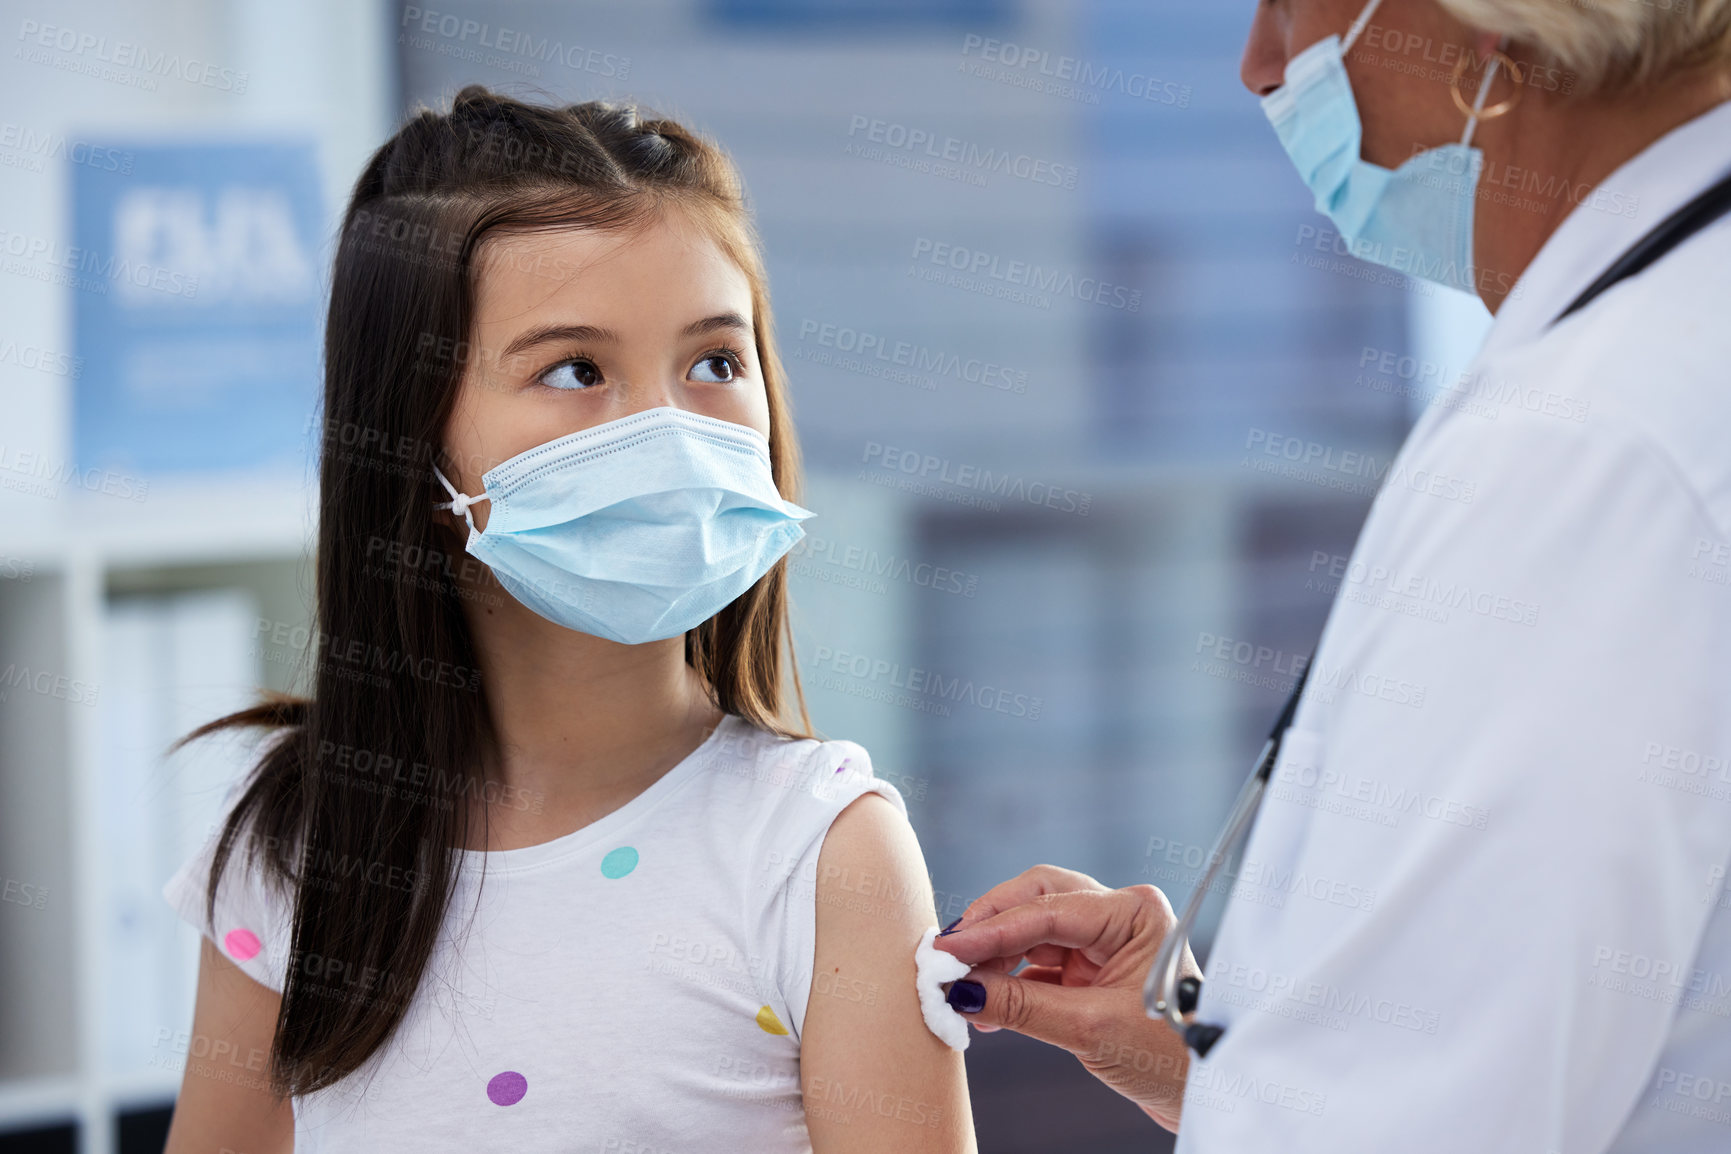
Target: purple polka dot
column 507, row 1089
column 243, row 945
column 844, row 765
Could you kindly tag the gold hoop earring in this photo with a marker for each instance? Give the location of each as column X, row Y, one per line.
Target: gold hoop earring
column 1495, row 110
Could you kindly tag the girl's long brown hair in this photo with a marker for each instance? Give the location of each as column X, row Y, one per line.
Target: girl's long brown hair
column 395, row 688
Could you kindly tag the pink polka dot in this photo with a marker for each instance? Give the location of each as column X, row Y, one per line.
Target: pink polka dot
column 243, row 945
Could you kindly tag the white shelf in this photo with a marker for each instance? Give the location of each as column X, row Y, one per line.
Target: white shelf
column 145, row 1088
column 254, row 532
column 30, row 1102
column 322, row 70
column 220, row 520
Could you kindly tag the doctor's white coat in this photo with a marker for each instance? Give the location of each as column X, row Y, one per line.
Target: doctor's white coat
column 1484, row 907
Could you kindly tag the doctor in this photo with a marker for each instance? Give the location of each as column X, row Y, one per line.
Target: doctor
column 1483, row 906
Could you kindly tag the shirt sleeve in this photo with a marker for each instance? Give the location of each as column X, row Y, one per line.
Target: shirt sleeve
column 825, row 779
column 1470, row 910
column 253, row 918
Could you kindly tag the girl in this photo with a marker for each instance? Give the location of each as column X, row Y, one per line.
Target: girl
column 555, row 500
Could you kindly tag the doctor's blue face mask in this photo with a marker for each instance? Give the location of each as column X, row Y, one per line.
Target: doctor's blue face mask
column 635, row 530
column 1417, row 219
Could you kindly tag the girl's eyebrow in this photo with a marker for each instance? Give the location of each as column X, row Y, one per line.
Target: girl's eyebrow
column 590, row 334
column 587, row 334
column 719, row 321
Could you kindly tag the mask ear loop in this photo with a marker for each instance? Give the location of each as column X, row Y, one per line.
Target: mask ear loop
column 458, row 502
column 1358, row 26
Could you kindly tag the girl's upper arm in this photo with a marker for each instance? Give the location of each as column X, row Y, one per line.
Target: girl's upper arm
column 225, row 1101
column 874, row 1078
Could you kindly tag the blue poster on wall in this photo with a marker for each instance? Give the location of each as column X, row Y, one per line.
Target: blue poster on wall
column 198, row 306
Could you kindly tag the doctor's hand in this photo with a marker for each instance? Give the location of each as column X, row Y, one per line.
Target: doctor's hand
column 1088, row 950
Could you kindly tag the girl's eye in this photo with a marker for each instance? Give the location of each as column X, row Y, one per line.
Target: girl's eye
column 715, row 369
column 576, row 374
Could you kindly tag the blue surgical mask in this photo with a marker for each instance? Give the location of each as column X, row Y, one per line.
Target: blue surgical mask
column 1417, row 219
column 635, row 530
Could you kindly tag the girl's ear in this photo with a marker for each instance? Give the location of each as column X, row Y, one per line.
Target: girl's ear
column 452, row 524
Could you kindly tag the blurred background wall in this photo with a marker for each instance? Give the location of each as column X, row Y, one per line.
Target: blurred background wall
column 1069, row 556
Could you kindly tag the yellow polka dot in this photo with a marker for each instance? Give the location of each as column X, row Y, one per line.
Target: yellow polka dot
column 769, row 1022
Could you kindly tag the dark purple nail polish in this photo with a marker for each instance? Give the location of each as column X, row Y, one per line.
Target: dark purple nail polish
column 967, row 997
column 951, row 928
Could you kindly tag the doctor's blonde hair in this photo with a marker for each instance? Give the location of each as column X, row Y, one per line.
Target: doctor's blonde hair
column 1611, row 45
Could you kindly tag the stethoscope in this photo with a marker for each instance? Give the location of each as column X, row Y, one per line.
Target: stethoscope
column 1164, row 994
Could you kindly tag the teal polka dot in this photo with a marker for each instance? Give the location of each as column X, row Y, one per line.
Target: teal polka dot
column 619, row 862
